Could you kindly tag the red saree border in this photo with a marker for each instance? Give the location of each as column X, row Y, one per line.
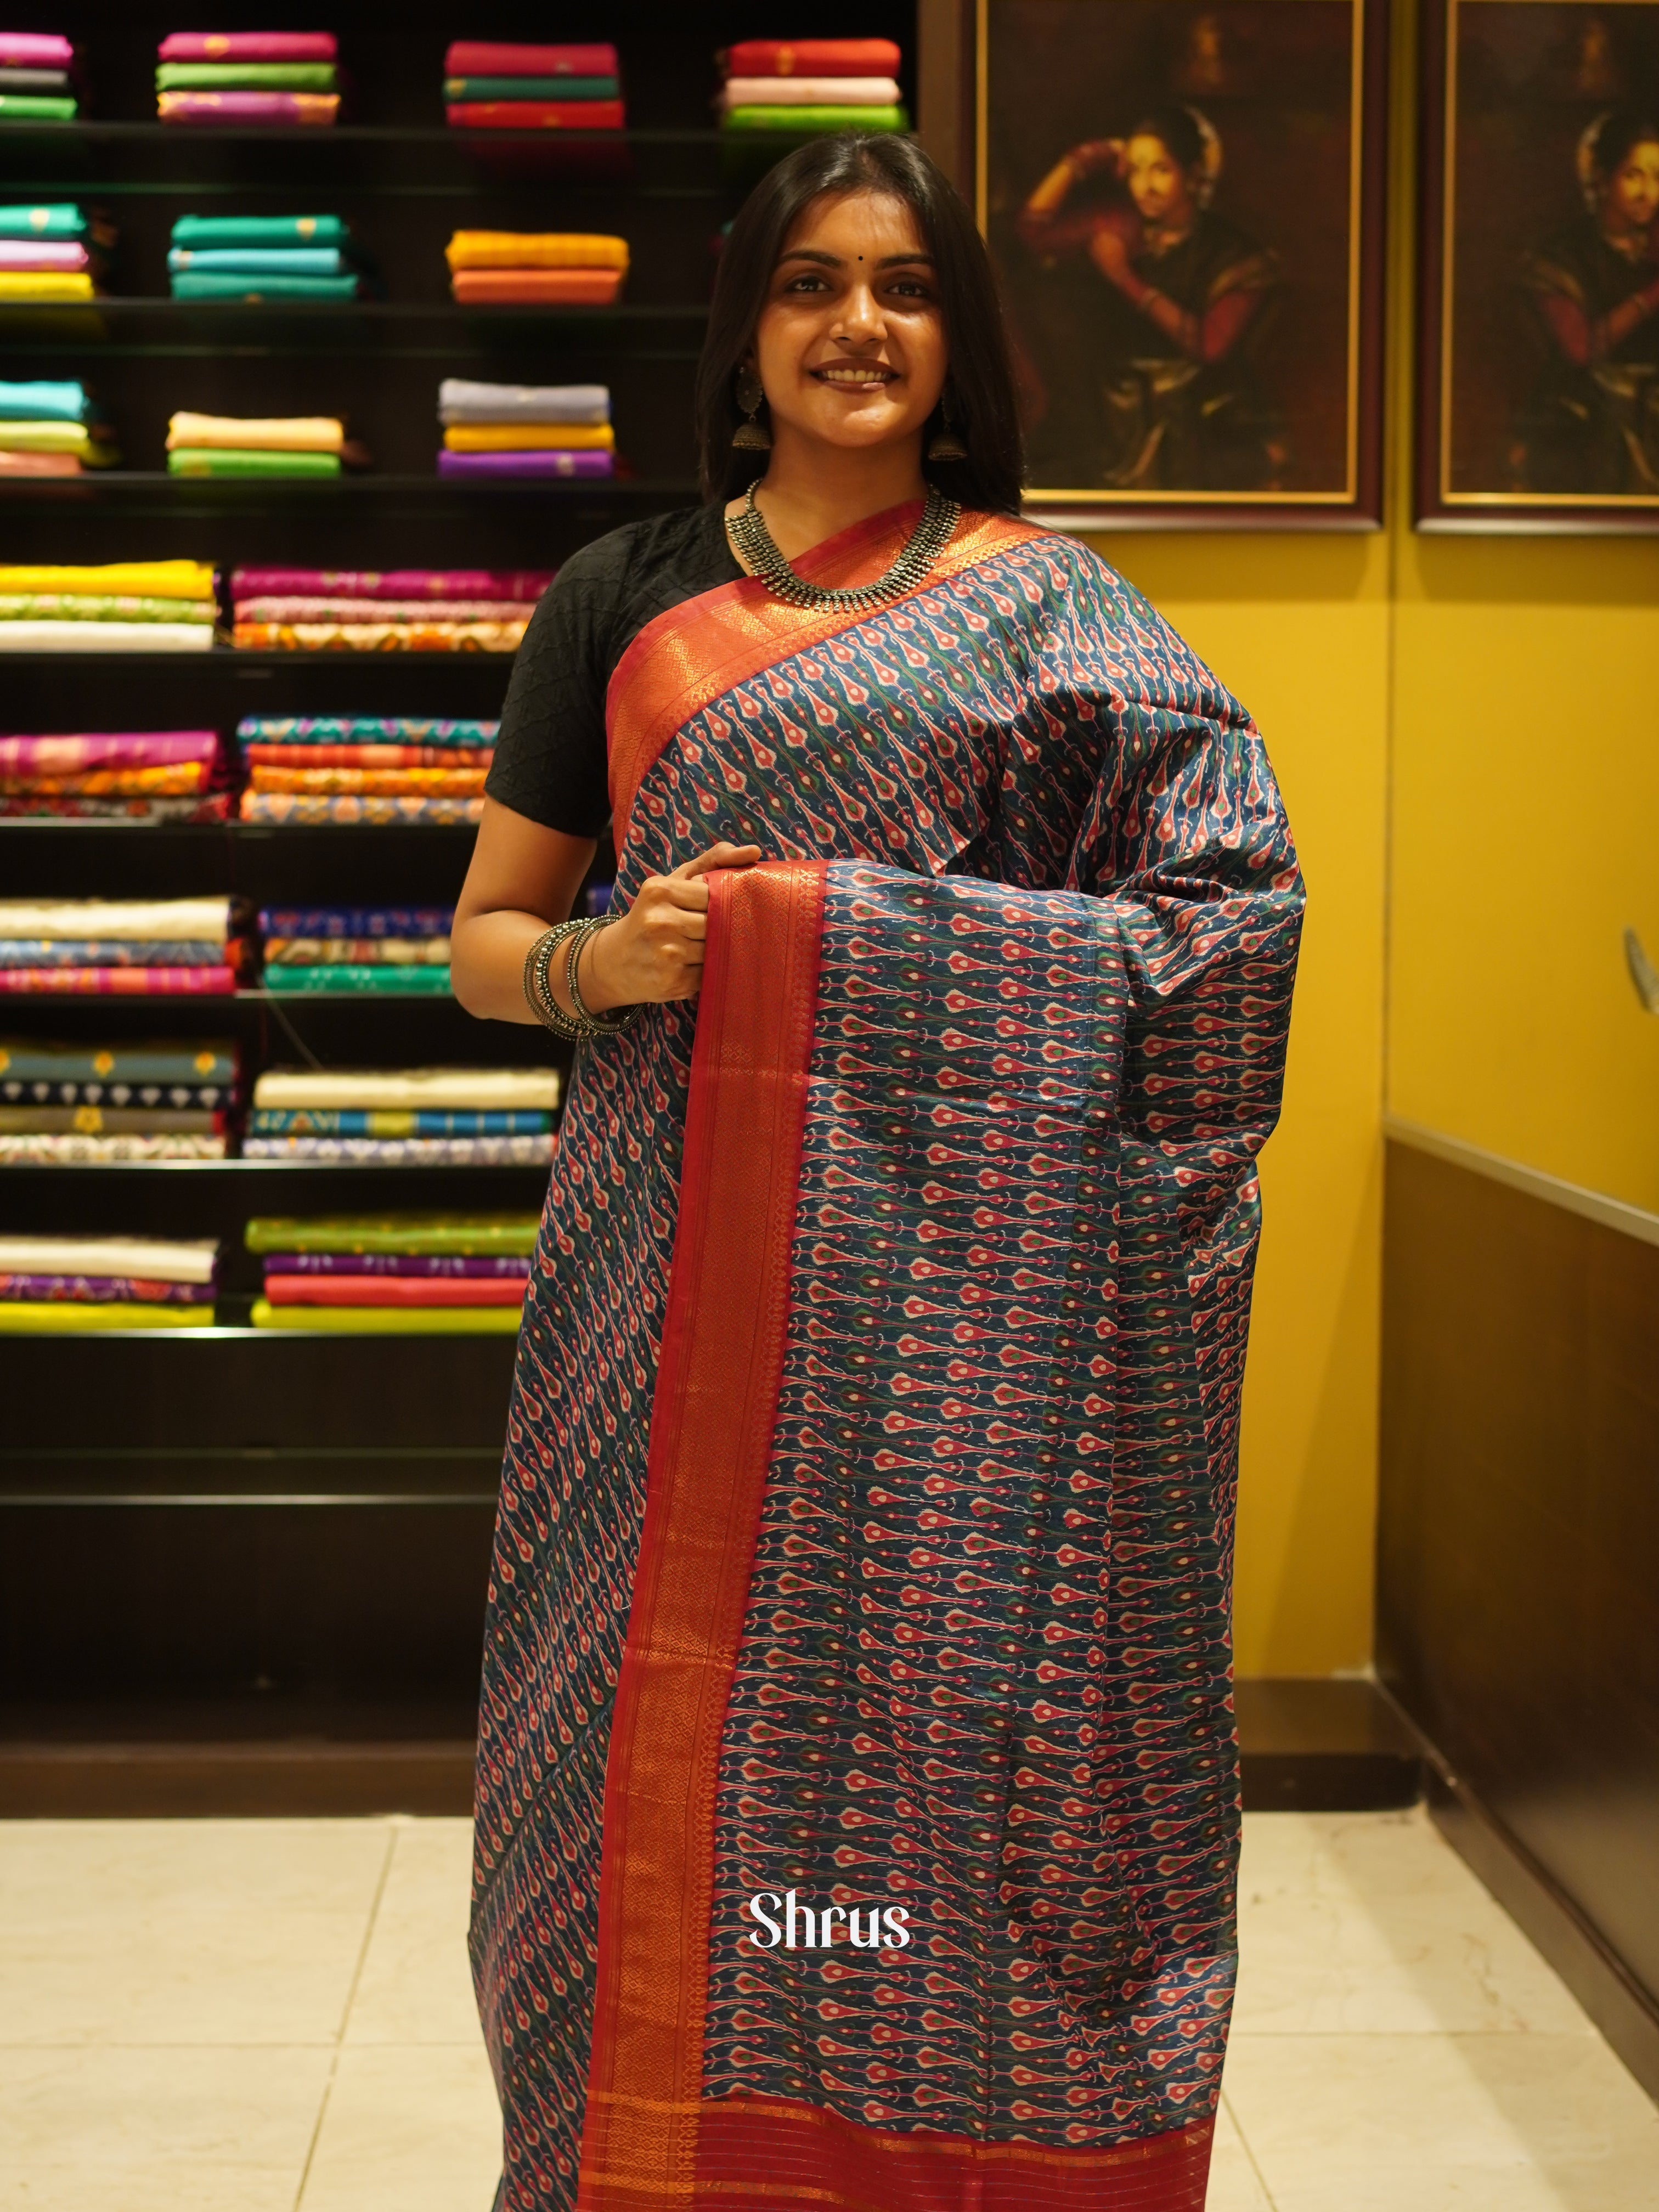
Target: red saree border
column 755, row 2153
column 711, row 1438
column 696, row 651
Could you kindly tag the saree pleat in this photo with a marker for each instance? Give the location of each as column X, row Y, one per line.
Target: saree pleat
column 972, row 1517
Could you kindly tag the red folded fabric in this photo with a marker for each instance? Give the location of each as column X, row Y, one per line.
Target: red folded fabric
column 389, row 583
column 535, row 115
column 119, row 982
column 249, row 46
column 480, row 57
column 813, row 57
column 567, row 287
column 368, row 755
column 395, row 1290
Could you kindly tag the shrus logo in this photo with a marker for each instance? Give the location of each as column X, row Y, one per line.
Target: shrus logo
column 783, row 1917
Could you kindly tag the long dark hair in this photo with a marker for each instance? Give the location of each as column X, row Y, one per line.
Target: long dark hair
column 983, row 407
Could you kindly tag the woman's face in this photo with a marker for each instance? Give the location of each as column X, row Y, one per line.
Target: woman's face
column 1157, row 183
column 1630, row 198
column 850, row 346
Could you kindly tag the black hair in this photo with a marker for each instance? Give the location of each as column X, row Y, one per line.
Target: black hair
column 1617, row 137
column 1178, row 129
column 981, row 391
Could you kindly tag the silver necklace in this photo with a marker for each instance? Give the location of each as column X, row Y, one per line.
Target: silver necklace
column 759, row 549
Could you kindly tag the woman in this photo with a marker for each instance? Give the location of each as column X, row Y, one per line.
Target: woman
column 1593, row 424
column 1171, row 400
column 856, row 1799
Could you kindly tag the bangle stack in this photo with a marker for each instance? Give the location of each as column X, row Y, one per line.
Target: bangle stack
column 538, row 990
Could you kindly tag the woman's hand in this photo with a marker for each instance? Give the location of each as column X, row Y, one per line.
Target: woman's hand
column 653, row 952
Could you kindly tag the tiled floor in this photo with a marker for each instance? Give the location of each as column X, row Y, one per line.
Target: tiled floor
column 274, row 2016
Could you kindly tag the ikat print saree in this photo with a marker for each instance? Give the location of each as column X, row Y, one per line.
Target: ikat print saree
column 857, row 1793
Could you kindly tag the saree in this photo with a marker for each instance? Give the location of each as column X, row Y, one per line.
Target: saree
column 857, row 1793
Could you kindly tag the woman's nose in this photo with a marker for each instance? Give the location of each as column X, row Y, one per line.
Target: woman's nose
column 861, row 316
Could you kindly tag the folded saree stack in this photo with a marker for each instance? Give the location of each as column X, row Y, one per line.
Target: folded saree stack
column 260, row 258
column 536, row 267
column 120, row 948
column 49, row 428
column 394, row 950
column 801, row 88
column 121, row 606
column 410, row 1275
column 74, row 1104
column 116, row 775
column 489, row 87
column 51, row 252
column 255, row 445
column 37, row 78
column 406, row 1117
column 257, row 78
column 66, row 1284
column 390, row 610
column 360, row 767
column 494, row 430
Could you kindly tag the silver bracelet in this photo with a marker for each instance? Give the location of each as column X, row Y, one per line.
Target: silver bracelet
column 619, row 1018
column 539, row 988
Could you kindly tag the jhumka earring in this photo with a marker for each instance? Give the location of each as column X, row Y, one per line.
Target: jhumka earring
column 945, row 445
column 752, row 436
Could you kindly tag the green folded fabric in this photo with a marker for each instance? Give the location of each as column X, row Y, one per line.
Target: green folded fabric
column 47, row 436
column 248, row 461
column 35, row 107
column 245, row 76
column 392, row 1320
column 395, row 982
column 86, row 606
column 532, row 87
column 206, row 231
column 217, row 284
column 56, row 219
column 813, row 122
column 466, row 1235
column 63, row 1316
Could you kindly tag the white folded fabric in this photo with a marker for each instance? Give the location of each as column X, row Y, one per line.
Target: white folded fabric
column 450, row 1088
column 199, row 920
column 105, row 637
column 460, row 400
column 150, row 1260
column 810, row 92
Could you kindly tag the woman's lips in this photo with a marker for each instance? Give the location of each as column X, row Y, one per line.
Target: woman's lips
column 847, row 379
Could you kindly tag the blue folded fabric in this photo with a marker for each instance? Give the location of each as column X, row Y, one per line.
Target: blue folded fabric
column 43, row 401
column 258, row 261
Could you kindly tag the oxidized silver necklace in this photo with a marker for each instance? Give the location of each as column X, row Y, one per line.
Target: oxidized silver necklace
column 759, row 550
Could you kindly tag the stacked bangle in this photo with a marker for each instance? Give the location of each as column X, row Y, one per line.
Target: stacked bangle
column 538, row 990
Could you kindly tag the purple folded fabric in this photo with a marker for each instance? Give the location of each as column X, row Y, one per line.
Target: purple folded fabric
column 34, row 50
column 315, row 107
column 248, row 46
column 390, row 583
column 103, row 1290
column 74, row 756
column 393, row 1263
column 542, row 464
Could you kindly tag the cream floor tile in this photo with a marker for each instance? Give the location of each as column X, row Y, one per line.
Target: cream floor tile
column 1234, row 2186
column 409, row 2130
column 178, row 2131
column 416, row 1985
column 183, row 1931
column 1507, row 2123
column 1370, row 1923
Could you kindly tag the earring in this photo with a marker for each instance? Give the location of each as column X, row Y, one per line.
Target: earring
column 752, row 436
column 945, row 445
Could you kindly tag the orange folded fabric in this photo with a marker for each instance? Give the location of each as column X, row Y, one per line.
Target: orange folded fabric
column 536, row 249
column 569, row 288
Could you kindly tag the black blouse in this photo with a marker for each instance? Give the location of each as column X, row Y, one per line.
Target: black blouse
column 550, row 761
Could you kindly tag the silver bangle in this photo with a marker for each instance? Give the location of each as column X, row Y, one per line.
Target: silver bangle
column 619, row 1018
column 539, row 988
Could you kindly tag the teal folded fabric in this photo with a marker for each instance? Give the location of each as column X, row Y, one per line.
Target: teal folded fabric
column 397, row 982
column 248, row 461
column 56, row 219
column 43, row 401
column 532, row 87
column 207, row 284
column 259, row 260
column 258, row 230
column 34, row 107
column 245, row 76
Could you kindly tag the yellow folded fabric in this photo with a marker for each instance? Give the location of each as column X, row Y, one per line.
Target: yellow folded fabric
column 45, row 284
column 30, row 1317
column 535, row 249
column 530, row 437
column 48, row 438
column 282, row 434
column 153, row 579
column 392, row 1320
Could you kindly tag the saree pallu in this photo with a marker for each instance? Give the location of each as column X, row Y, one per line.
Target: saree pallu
column 866, row 1528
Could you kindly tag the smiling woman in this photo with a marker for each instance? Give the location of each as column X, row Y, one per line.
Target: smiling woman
column 866, row 1518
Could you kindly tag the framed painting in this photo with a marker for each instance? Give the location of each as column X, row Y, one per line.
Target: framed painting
column 1185, row 202
column 1539, row 375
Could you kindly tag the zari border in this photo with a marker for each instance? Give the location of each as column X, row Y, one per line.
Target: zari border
column 711, row 1438
column 697, row 651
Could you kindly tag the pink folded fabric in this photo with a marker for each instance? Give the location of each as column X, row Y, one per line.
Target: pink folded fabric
column 42, row 253
column 247, row 107
column 34, row 50
column 249, row 46
column 86, row 749
column 519, row 583
column 118, row 983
